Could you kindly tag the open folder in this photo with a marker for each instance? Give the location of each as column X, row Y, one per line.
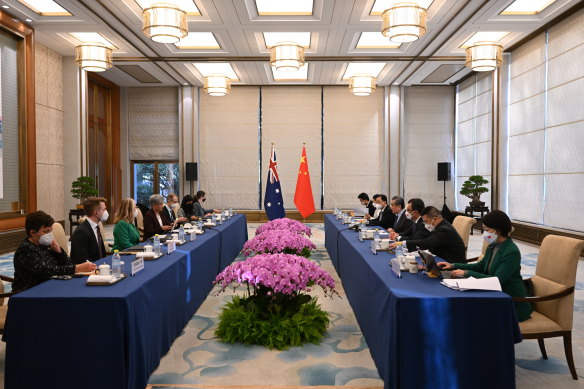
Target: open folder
column 471, row 283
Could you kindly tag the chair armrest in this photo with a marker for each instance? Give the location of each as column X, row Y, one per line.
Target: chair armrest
column 4, row 295
column 6, row 278
column 472, row 259
column 553, row 296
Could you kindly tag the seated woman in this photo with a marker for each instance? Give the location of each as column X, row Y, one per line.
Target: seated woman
column 155, row 222
column 125, row 232
column 186, row 208
column 198, row 209
column 39, row 257
column 502, row 259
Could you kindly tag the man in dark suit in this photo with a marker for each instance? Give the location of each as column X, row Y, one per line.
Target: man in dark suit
column 87, row 242
column 417, row 230
column 402, row 223
column 364, row 200
column 443, row 241
column 170, row 207
column 386, row 218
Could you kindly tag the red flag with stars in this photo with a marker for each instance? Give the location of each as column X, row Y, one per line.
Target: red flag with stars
column 303, row 196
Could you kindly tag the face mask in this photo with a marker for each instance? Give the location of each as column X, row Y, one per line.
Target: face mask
column 174, row 206
column 104, row 216
column 135, row 213
column 46, row 239
column 490, row 237
column 429, row 227
column 378, row 206
column 408, row 215
column 204, row 200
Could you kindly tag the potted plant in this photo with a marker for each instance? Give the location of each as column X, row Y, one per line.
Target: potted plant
column 82, row 188
column 473, row 188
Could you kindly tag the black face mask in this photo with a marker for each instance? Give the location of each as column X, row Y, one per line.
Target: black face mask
column 204, row 200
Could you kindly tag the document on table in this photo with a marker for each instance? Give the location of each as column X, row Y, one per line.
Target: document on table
column 471, row 283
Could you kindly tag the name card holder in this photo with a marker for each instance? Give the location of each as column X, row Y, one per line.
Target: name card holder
column 395, row 268
column 137, row 265
column 193, row 236
column 374, row 247
column 171, row 246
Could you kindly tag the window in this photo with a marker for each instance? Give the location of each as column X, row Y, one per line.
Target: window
column 150, row 177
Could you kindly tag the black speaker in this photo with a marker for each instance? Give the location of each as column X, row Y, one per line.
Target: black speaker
column 191, row 171
column 444, row 171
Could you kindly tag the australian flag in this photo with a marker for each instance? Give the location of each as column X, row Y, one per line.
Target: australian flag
column 273, row 201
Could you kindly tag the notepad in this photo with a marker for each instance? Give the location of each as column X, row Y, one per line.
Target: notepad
column 471, row 283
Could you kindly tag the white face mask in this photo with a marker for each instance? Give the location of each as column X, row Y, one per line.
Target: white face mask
column 429, row 227
column 104, row 216
column 135, row 213
column 174, row 206
column 46, row 239
column 378, row 206
column 490, row 237
column 408, row 215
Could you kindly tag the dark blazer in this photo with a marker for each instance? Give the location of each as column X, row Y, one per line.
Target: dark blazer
column 169, row 214
column 444, row 242
column 151, row 225
column 84, row 245
column 199, row 211
column 385, row 220
column 371, row 208
column 417, row 231
column 402, row 224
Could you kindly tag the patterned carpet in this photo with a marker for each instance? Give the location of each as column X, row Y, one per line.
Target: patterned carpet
column 196, row 360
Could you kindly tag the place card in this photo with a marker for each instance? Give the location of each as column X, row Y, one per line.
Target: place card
column 395, row 268
column 171, row 246
column 137, row 265
column 193, row 236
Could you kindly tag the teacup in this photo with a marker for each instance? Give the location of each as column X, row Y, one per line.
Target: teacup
column 174, row 236
column 148, row 248
column 104, row 269
column 384, row 244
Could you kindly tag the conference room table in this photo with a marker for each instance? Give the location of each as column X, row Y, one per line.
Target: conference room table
column 64, row 334
column 420, row 333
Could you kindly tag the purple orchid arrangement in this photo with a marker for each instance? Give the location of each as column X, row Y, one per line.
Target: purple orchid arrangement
column 285, row 224
column 273, row 274
column 278, row 241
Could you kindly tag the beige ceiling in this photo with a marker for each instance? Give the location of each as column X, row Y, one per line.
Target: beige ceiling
column 335, row 26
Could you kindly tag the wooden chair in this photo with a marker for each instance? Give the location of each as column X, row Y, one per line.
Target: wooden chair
column 60, row 237
column 140, row 223
column 3, row 295
column 553, row 294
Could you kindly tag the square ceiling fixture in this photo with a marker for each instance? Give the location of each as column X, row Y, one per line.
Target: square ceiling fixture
column 284, row 7
column 45, row 7
column 273, row 38
column 206, row 68
column 484, row 36
column 299, row 75
column 375, row 40
column 370, row 68
column 186, row 5
column 83, row 37
column 381, row 5
column 527, row 7
column 199, row 41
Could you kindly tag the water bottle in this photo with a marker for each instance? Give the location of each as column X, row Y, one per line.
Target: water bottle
column 200, row 225
column 377, row 239
column 399, row 251
column 157, row 248
column 181, row 234
column 213, row 220
column 230, row 212
column 116, row 265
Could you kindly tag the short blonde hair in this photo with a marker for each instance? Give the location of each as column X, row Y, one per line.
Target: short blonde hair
column 125, row 211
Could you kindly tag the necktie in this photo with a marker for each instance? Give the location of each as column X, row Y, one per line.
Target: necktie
column 100, row 245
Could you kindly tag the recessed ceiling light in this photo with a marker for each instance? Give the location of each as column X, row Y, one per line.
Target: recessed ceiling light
column 206, row 68
column 527, row 7
column 299, row 75
column 375, row 40
column 5, row 7
column 186, row 5
column 284, row 7
column 29, row 20
column 371, row 68
column 484, row 36
column 45, row 7
column 381, row 5
column 185, row 83
column 198, row 40
column 92, row 37
column 273, row 38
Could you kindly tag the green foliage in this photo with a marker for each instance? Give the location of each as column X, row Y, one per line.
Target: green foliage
column 473, row 187
column 278, row 322
column 83, row 187
column 306, row 252
column 145, row 174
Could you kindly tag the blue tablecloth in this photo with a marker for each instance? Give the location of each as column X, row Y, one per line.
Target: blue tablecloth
column 420, row 333
column 233, row 235
column 63, row 334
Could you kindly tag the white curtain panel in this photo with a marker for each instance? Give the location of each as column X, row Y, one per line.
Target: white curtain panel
column 228, row 148
column 354, row 146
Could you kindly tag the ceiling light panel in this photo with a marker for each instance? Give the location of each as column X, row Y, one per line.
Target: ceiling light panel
column 198, row 40
column 207, row 68
column 527, row 7
column 485, row 36
column 299, row 75
column 381, row 5
column 371, row 68
column 284, row 7
column 375, row 40
column 273, row 38
column 45, row 7
column 186, row 5
column 91, row 37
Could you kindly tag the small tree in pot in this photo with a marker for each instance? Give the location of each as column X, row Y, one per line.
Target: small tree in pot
column 82, row 188
column 473, row 188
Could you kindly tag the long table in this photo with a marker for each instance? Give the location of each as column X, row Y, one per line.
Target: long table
column 64, row 334
column 422, row 334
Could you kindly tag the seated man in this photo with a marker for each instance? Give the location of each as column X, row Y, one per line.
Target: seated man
column 87, row 242
column 402, row 223
column 417, row 229
column 386, row 218
column 170, row 209
column 364, row 200
column 443, row 241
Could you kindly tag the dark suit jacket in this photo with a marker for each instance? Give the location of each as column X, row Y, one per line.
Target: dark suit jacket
column 417, row 231
column 385, row 220
column 403, row 224
column 444, row 242
column 151, row 225
column 84, row 244
column 371, row 208
column 169, row 214
column 199, row 211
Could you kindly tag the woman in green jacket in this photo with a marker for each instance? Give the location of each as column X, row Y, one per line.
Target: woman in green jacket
column 125, row 232
column 502, row 259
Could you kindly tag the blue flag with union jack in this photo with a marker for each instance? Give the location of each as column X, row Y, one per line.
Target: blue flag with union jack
column 273, row 201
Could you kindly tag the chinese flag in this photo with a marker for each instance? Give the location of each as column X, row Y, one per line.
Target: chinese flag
column 303, row 196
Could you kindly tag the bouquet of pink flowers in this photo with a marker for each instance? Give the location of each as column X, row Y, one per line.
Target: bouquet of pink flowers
column 279, row 241
column 285, row 224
